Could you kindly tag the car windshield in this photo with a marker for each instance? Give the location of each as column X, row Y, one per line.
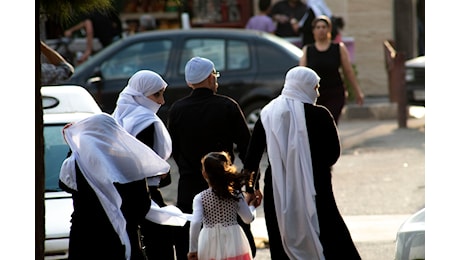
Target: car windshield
column 56, row 150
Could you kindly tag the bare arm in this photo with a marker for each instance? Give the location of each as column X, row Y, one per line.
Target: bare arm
column 303, row 59
column 349, row 74
column 88, row 25
column 74, row 28
column 52, row 56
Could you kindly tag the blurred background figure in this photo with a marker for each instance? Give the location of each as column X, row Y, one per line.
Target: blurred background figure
column 147, row 23
column 54, row 68
column 105, row 26
column 286, row 14
column 337, row 26
column 262, row 21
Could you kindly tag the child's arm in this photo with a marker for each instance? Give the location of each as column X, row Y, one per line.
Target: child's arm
column 195, row 227
column 246, row 212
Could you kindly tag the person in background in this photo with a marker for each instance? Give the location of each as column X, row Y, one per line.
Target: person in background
column 327, row 58
column 262, row 21
column 302, row 144
column 136, row 111
column 147, row 23
column 106, row 174
column 217, row 208
column 54, row 68
column 315, row 8
column 286, row 14
column 105, row 26
column 199, row 123
column 337, row 26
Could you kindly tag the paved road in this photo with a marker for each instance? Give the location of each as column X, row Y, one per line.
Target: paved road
column 378, row 182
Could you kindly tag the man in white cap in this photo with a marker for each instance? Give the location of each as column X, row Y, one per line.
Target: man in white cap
column 200, row 123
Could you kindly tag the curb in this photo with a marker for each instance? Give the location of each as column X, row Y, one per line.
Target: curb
column 373, row 108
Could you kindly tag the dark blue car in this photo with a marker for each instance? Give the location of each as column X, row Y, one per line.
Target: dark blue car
column 252, row 65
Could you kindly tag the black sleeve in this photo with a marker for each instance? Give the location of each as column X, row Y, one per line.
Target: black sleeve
column 323, row 135
column 256, row 149
column 241, row 132
column 146, row 136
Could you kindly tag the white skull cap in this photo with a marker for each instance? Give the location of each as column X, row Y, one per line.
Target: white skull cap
column 198, row 69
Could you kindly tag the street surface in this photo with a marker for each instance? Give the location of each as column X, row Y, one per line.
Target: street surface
column 378, row 182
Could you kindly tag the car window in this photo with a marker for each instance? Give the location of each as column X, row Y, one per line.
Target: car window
column 238, row 55
column 226, row 54
column 151, row 55
column 56, row 150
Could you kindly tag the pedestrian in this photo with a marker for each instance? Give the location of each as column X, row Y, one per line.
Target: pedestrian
column 302, row 144
column 287, row 14
column 106, row 174
column 199, row 123
column 55, row 69
column 328, row 59
column 261, row 21
column 106, row 26
column 315, row 8
column 136, row 111
column 217, row 208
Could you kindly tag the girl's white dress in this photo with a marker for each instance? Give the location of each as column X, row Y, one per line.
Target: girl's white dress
column 221, row 237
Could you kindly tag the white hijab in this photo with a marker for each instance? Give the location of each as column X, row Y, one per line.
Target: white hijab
column 288, row 150
column 135, row 111
column 106, row 154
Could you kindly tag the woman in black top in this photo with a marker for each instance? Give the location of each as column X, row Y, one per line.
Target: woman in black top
column 327, row 58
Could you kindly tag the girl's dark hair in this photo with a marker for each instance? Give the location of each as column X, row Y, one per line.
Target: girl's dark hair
column 223, row 177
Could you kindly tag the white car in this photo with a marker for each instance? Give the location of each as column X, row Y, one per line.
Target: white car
column 410, row 239
column 61, row 105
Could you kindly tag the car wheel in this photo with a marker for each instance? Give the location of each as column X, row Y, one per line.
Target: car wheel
column 252, row 113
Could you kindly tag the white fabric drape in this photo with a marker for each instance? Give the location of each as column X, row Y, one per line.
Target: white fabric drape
column 106, row 154
column 288, row 150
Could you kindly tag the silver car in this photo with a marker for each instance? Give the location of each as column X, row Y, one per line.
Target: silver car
column 61, row 105
column 410, row 239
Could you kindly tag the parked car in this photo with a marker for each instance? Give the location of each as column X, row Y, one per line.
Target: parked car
column 61, row 105
column 410, row 239
column 415, row 81
column 252, row 65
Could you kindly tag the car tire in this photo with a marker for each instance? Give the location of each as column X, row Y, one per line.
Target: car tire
column 252, row 112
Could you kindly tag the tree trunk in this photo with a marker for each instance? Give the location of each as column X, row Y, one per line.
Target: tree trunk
column 39, row 151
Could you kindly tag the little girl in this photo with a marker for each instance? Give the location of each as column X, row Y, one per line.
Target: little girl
column 217, row 209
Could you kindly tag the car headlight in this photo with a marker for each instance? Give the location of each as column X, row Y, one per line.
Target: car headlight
column 410, row 75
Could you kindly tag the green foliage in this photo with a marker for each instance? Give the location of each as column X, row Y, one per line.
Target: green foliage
column 351, row 93
column 64, row 10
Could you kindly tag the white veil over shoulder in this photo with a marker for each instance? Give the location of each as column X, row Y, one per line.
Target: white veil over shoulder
column 288, row 149
column 106, row 154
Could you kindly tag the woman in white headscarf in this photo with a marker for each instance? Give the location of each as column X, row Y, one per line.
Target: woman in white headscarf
column 302, row 218
column 136, row 111
column 106, row 174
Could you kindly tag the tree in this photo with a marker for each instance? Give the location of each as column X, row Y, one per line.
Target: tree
column 62, row 11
